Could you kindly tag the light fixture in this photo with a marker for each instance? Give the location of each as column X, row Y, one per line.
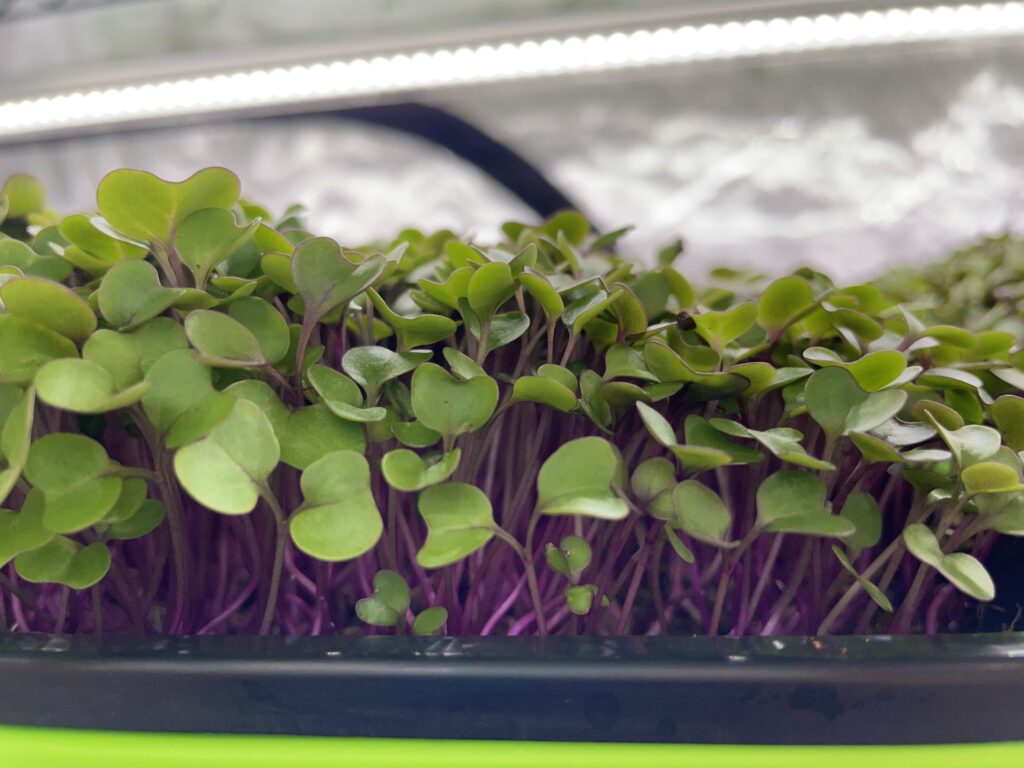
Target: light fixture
column 447, row 67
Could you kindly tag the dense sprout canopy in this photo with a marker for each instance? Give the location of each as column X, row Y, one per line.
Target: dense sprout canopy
column 213, row 420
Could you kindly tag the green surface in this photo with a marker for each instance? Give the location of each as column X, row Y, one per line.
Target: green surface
column 53, row 748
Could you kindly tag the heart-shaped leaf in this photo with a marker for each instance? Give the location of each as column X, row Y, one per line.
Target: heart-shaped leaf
column 570, row 558
column 143, row 206
column 327, row 279
column 26, row 347
column 338, row 519
column 389, row 602
column 783, row 302
column 459, row 521
column 63, row 561
column 971, row 444
column 82, row 386
column 720, row 328
column 24, row 195
column 130, row 294
column 226, row 470
column 490, row 286
column 415, row 435
column 342, row 395
column 23, row 531
column 266, row 324
column 207, row 237
column 178, row 382
column 701, row 513
column 373, row 367
column 863, row 511
column 418, row 331
column 146, row 519
column 653, row 477
column 74, row 474
column 840, row 405
column 581, row 478
column 991, row 477
column 406, row 470
column 305, row 434
column 49, row 304
column 462, row 365
column 95, row 247
column 546, row 391
column 871, row 373
column 794, row 502
column 965, row 572
column 222, row 341
column 449, row 406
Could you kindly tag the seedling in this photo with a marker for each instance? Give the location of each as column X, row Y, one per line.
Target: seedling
column 214, row 422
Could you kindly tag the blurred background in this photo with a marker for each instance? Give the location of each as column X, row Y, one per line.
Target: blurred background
column 850, row 136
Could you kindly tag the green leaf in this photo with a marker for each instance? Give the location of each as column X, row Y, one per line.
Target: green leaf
column 28, row 346
column 579, row 598
column 178, row 382
column 794, row 502
column 23, row 531
column 700, row 432
column 207, row 237
column 559, row 373
column 657, row 425
column 782, row 302
column 130, row 294
column 82, row 386
column 840, row 406
column 406, row 470
column 544, row 294
column 338, row 519
column 146, row 207
column 677, row 544
column 118, row 354
column 63, row 561
column 962, row 570
column 871, row 373
column 462, row 365
column 950, row 378
column 971, row 444
column 222, row 341
column 265, row 323
column 372, row 367
column 146, row 519
column 95, row 247
column 17, row 255
column 326, row 279
column 863, row 511
column 991, row 477
column 459, row 521
column 490, row 286
column 582, row 311
column 580, row 478
column 873, row 591
column 72, row 471
column 25, row 194
column 226, row 470
column 874, row 449
column 429, row 621
column 783, row 442
column 305, row 434
column 720, row 328
column 653, row 477
column 414, row 435
column 15, row 441
column 546, row 391
column 342, row 395
column 1007, row 413
column 389, row 602
column 625, row 361
column 421, row 330
column 449, row 406
column 701, row 513
column 49, row 304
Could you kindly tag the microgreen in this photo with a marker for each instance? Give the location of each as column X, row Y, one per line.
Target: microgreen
column 537, row 436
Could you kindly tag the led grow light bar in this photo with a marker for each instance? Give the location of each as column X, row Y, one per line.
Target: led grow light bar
column 338, row 80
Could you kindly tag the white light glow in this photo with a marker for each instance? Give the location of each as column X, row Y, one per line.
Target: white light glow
column 424, row 70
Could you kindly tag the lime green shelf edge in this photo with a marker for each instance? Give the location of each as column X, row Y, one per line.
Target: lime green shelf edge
column 59, row 748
